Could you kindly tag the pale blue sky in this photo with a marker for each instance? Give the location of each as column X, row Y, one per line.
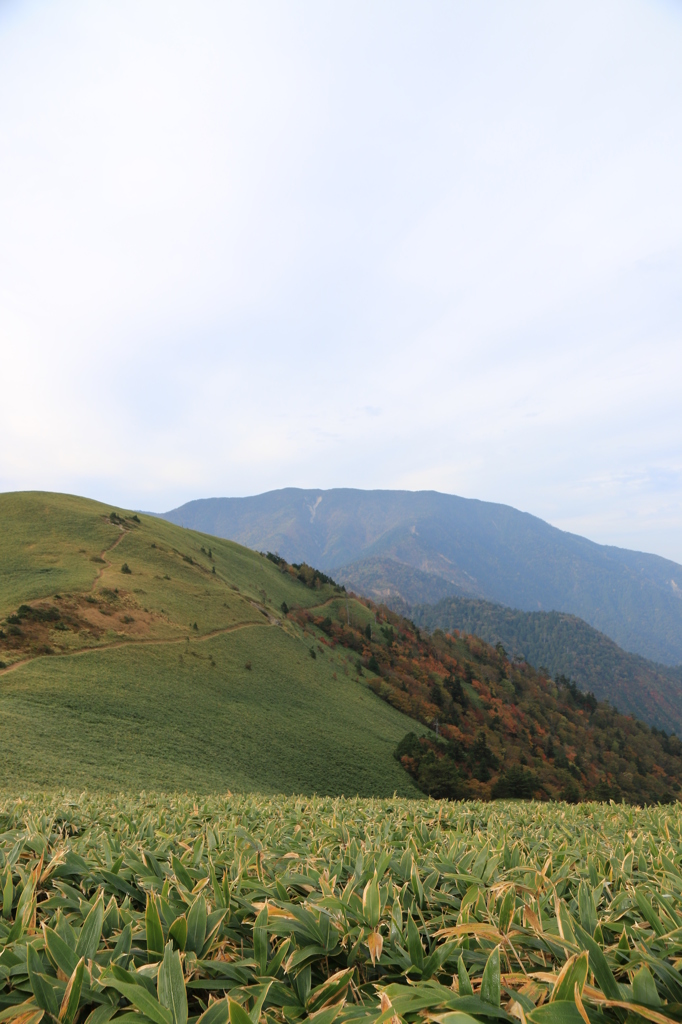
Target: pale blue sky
column 425, row 245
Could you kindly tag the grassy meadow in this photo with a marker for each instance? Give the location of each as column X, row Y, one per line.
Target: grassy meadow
column 191, row 716
column 181, row 673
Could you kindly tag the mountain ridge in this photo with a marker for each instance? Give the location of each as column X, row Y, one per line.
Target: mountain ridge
column 420, row 546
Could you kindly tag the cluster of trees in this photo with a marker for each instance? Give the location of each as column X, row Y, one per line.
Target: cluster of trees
column 567, row 646
column 497, row 727
column 305, row 573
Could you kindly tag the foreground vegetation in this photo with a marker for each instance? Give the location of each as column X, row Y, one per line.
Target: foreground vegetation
column 568, row 646
column 165, row 910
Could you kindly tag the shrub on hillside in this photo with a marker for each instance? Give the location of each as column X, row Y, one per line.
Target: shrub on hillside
column 515, row 784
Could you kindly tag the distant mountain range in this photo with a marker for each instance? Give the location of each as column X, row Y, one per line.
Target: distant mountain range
column 568, row 646
column 407, row 548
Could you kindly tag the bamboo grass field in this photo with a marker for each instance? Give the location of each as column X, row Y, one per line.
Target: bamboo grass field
column 254, row 909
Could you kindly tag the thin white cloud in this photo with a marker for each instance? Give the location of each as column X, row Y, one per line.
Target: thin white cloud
column 250, row 245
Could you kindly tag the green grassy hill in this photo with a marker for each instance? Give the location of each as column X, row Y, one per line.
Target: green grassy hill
column 179, row 673
column 567, row 646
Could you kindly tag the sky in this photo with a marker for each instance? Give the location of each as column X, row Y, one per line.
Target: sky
column 335, row 244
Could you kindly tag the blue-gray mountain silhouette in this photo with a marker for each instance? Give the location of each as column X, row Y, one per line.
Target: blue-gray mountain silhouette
column 410, row 548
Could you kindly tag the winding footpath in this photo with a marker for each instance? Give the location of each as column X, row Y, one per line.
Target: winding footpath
column 114, row 645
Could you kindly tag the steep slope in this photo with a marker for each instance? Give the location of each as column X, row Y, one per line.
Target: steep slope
column 417, row 547
column 136, row 655
column 498, row 728
column 567, row 646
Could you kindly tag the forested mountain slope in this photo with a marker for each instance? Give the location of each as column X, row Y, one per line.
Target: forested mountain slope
column 408, row 547
column 566, row 645
column 499, row 728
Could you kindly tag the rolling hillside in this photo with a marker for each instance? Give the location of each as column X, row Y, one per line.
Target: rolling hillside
column 137, row 655
column 409, row 548
column 499, row 728
column 567, row 646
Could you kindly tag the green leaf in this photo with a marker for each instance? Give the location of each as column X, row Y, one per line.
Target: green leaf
column 91, row 932
column 417, row 887
column 307, row 954
column 555, row 1013
column 277, row 959
column 238, row 1014
column 465, row 988
column 217, row 1013
column 66, row 932
column 326, row 1016
column 123, row 943
column 479, row 863
column 414, row 944
column 40, row 984
column 371, row 902
column 302, row 983
column 7, row 895
column 260, row 992
column 59, row 952
column 566, row 922
column 573, row 972
column 213, row 922
column 648, row 912
column 101, row 1014
column 178, row 932
column 433, row 963
column 490, row 982
column 72, row 995
column 171, row 985
column 644, row 988
column 457, row 1017
column 507, row 910
column 196, row 925
column 333, row 988
column 217, row 889
column 260, row 940
column 153, row 925
column 25, row 901
column 119, row 973
column 602, row 971
column 140, row 997
column 588, row 908
column 181, row 873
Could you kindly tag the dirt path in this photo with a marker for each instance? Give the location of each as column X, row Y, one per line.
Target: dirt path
column 137, row 643
column 107, row 563
column 272, row 621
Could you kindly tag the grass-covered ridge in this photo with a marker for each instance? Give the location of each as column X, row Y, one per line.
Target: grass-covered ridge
column 169, row 909
column 182, row 672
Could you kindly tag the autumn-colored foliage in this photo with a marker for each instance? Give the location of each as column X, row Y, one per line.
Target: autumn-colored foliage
column 497, row 727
